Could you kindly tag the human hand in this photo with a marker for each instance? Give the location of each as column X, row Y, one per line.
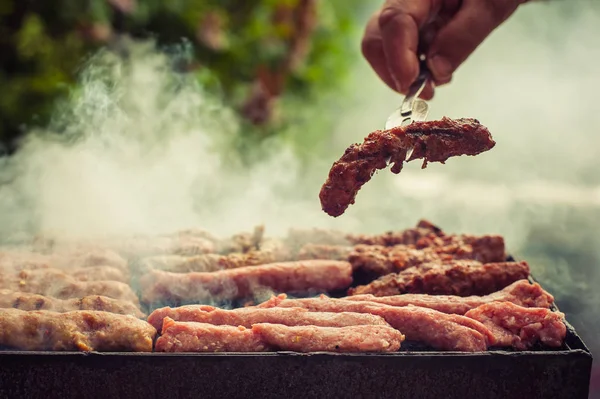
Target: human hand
column 445, row 31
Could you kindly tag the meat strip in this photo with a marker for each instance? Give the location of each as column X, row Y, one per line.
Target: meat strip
column 298, row 277
column 423, row 230
column 262, row 337
column 65, row 259
column 462, row 278
column 521, row 293
column 100, row 273
column 55, row 283
column 251, row 315
column 25, row 301
column 439, row 330
column 434, row 141
column 80, row 330
column 519, row 327
column 378, row 260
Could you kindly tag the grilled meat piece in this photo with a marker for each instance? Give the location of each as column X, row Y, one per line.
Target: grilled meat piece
column 100, row 273
column 423, row 230
column 434, row 141
column 519, row 327
column 377, row 260
column 16, row 261
column 438, row 330
column 262, row 337
column 521, row 293
column 298, row 277
column 242, row 242
column 461, row 278
column 80, row 330
column 319, row 251
column 25, row 301
column 58, row 284
column 251, row 315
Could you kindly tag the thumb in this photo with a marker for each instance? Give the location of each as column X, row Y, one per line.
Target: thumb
column 471, row 25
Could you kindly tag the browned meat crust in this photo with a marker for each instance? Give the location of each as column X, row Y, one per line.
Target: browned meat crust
column 78, row 330
column 521, row 293
column 261, row 337
column 434, row 141
column 519, row 327
column 55, row 283
column 25, row 301
column 299, row 277
column 252, row 315
column 461, row 278
column 438, row 330
column 377, row 260
column 423, row 230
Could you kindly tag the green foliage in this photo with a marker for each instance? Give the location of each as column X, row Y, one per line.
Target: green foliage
column 42, row 44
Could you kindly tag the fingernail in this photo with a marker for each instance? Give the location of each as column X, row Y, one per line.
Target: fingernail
column 440, row 67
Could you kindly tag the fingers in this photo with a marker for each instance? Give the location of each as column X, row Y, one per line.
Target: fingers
column 469, row 27
column 372, row 49
column 399, row 24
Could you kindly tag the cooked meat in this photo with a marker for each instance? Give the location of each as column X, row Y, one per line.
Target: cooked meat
column 251, row 315
column 58, row 284
column 438, row 330
column 297, row 277
column 262, row 337
column 78, row 330
column 378, row 260
column 462, row 278
column 423, row 230
column 434, row 141
column 100, row 273
column 25, row 301
column 521, row 293
column 520, row 327
column 319, row 251
column 15, row 261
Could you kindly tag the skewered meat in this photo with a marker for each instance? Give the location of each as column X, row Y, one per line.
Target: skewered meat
column 251, row 315
column 298, row 277
column 520, row 327
column 438, row 330
column 318, row 251
column 78, row 330
column 521, row 293
column 462, row 278
column 57, row 284
column 262, row 337
column 25, row 301
column 434, row 141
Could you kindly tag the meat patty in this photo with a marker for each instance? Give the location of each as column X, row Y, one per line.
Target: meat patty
column 461, row 278
column 262, row 337
column 434, row 141
column 251, row 315
column 521, row 293
column 438, row 330
column 78, row 330
column 298, row 277
column 25, row 301
column 519, row 327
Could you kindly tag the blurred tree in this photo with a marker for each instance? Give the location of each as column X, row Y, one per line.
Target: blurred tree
column 250, row 52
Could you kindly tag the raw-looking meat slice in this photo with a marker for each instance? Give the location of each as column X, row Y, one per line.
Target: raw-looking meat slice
column 434, row 141
column 252, row 315
column 521, row 293
column 461, row 278
column 202, row 337
column 438, row 330
column 519, row 327
column 298, row 277
column 80, row 330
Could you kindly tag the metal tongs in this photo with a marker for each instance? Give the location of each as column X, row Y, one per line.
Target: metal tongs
column 413, row 109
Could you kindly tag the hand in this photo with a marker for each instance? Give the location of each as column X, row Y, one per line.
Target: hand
column 446, row 31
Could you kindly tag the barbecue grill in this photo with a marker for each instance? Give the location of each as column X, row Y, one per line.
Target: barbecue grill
column 414, row 372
